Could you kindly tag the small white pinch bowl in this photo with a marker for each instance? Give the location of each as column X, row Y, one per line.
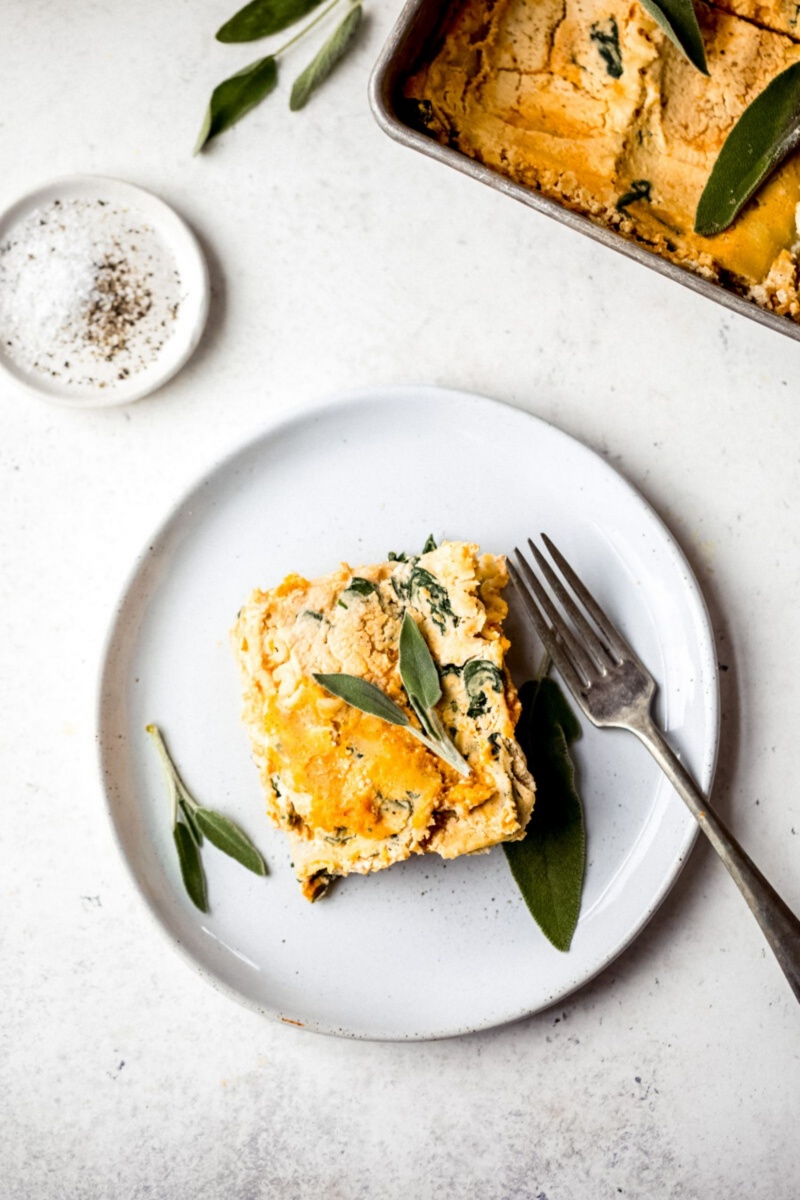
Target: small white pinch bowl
column 189, row 262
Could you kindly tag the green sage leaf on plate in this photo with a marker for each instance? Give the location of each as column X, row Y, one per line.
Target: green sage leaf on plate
column 362, row 694
column 228, row 837
column 320, row 67
column 548, row 864
column 261, row 18
column 190, row 822
column 188, row 814
column 766, row 132
column 191, row 867
column 678, row 19
column 234, row 97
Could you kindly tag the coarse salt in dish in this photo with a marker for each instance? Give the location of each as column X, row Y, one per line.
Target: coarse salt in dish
column 103, row 291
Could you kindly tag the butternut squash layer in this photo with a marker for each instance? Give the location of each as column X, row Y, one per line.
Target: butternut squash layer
column 352, row 792
column 588, row 102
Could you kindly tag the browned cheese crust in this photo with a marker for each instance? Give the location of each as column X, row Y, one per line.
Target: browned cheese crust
column 588, row 102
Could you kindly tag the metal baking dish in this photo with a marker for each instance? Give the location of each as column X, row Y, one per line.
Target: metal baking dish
column 410, row 44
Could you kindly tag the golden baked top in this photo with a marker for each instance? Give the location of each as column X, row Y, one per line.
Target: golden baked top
column 588, row 102
column 352, row 792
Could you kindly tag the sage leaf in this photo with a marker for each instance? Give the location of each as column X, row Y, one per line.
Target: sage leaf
column 421, row 680
column 767, row 130
column 370, row 699
column 678, row 19
column 261, row 18
column 362, row 694
column 325, row 60
column 439, row 741
column 234, row 97
column 417, row 668
column 188, row 833
column 228, row 837
column 188, row 814
column 191, row 868
column 548, row 864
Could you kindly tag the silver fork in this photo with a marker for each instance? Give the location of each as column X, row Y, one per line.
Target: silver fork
column 614, row 688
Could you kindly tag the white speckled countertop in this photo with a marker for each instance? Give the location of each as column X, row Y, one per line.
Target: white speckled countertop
column 339, row 259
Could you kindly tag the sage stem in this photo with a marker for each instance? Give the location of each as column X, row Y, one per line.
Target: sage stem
column 319, row 17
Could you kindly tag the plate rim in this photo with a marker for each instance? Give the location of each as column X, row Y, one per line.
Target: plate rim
column 282, row 421
column 101, row 398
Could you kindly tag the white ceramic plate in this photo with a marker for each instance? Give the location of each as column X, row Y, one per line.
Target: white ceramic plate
column 427, row 948
column 188, row 326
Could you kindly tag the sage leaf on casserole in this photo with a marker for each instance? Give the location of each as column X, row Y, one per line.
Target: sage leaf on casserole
column 362, row 694
column 678, row 19
column 261, row 18
column 417, row 668
column 420, row 679
column 325, row 60
column 234, row 97
column 192, row 874
column 767, row 130
column 548, row 864
column 228, row 837
column 421, row 682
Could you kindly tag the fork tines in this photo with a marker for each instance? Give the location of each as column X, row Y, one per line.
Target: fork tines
column 581, row 649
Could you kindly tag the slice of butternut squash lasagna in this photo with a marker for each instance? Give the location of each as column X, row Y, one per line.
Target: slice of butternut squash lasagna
column 352, row 792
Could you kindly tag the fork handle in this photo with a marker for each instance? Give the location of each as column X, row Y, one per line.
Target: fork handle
column 779, row 925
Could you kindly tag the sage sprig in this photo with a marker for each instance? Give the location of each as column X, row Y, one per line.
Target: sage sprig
column 421, row 682
column 326, row 59
column 236, row 96
column 233, row 98
column 766, row 132
column 261, row 18
column 678, row 19
column 548, row 864
column 190, row 822
column 192, row 873
column 361, row 694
